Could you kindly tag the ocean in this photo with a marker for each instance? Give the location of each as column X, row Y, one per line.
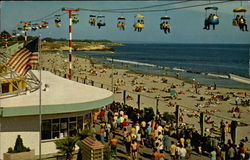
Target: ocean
column 206, row 63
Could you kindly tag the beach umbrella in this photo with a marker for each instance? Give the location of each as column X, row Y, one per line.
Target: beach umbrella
column 173, row 93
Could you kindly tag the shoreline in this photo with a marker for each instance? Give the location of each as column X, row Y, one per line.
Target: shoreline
column 138, row 71
column 170, row 70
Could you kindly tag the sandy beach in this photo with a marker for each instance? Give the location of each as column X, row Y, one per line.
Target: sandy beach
column 216, row 103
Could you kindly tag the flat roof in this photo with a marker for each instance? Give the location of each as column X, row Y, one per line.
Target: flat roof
column 62, row 96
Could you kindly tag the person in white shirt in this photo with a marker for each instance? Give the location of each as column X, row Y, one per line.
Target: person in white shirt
column 182, row 153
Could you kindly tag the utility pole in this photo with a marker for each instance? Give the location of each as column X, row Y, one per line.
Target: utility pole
column 25, row 28
column 70, row 39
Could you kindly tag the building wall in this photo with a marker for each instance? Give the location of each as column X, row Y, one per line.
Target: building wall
column 28, row 128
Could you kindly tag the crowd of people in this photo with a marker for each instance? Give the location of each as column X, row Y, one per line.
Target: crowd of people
column 139, row 129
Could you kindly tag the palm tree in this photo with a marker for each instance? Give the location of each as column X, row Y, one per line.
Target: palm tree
column 66, row 146
column 82, row 134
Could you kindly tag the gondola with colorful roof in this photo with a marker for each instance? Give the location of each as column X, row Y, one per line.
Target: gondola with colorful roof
column 75, row 19
column 101, row 21
column 58, row 21
column 92, row 19
column 138, row 22
column 165, row 24
column 121, row 23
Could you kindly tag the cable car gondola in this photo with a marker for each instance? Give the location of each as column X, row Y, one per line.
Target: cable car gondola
column 101, row 21
column 20, row 28
column 14, row 33
column 92, row 19
column 44, row 25
column 58, row 21
column 75, row 19
column 34, row 27
column 165, row 25
column 121, row 23
column 25, row 27
column 212, row 19
column 45, row 22
column 239, row 19
column 138, row 22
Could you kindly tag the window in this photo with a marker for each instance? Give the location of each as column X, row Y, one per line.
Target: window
column 64, row 127
column 5, row 87
column 72, row 126
column 79, row 122
column 61, row 127
column 46, row 128
column 55, row 128
column 87, row 120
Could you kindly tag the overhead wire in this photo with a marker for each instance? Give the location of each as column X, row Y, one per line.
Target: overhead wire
column 150, row 6
column 48, row 17
column 154, row 10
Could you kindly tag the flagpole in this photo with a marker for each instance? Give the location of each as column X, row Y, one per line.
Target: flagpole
column 40, row 98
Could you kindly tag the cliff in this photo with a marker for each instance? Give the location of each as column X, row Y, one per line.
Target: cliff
column 79, row 46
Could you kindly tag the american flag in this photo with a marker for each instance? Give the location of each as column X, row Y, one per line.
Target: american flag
column 21, row 62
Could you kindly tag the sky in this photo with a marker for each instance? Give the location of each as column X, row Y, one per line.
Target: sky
column 186, row 24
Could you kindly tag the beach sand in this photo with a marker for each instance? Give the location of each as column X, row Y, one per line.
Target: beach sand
column 152, row 86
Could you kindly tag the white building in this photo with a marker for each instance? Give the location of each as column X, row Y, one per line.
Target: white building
column 66, row 106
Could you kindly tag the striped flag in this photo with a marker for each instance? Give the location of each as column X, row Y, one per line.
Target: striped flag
column 21, row 62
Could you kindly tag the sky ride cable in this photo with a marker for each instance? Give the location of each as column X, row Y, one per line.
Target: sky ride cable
column 45, row 17
column 156, row 10
column 40, row 19
column 151, row 6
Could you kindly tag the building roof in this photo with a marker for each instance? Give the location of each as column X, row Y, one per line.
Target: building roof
column 92, row 143
column 62, row 96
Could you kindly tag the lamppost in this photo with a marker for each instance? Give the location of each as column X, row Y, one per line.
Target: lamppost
column 112, row 80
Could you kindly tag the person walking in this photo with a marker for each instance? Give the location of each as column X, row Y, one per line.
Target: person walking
column 172, row 150
column 102, row 134
column 182, row 153
column 113, row 143
column 128, row 140
column 134, row 148
column 165, row 141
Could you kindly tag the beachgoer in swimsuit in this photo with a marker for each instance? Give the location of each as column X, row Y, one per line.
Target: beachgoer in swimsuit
column 134, row 148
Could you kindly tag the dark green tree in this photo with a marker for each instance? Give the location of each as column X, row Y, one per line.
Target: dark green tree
column 149, row 114
column 82, row 134
column 66, row 146
column 168, row 117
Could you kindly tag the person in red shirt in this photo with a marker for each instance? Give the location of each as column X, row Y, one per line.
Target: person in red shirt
column 125, row 123
column 101, row 115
